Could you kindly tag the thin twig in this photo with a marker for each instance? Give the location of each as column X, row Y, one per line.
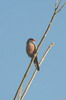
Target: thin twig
column 57, row 5
column 50, row 46
column 35, row 72
column 61, row 7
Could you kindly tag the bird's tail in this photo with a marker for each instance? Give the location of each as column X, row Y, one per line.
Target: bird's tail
column 36, row 63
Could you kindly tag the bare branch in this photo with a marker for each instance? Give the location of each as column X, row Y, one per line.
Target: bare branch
column 57, row 5
column 50, row 46
column 61, row 7
column 54, row 14
column 57, row 9
column 34, row 74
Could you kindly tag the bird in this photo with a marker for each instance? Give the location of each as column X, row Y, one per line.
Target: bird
column 31, row 51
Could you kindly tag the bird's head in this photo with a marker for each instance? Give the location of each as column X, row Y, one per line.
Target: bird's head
column 31, row 40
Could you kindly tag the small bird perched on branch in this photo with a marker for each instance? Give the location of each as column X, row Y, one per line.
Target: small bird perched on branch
column 31, row 50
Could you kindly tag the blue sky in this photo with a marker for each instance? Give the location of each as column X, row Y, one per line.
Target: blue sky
column 20, row 20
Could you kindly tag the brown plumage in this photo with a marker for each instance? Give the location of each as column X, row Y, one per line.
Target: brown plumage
column 31, row 50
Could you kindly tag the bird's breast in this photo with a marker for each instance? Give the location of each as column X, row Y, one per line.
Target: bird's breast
column 30, row 48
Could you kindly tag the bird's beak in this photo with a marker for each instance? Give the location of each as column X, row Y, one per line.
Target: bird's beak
column 34, row 40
